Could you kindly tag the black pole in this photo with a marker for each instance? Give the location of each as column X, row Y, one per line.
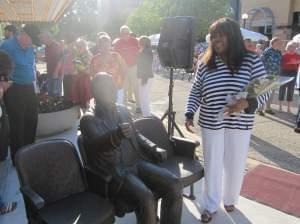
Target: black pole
column 244, row 23
column 170, row 108
column 236, row 6
column 170, row 114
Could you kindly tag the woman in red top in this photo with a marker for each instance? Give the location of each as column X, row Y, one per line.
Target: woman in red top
column 112, row 63
column 81, row 87
column 289, row 67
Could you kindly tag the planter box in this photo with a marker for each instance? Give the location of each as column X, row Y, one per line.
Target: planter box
column 56, row 122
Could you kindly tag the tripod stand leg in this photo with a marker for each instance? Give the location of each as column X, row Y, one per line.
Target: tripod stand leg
column 165, row 115
column 174, row 125
column 170, row 114
column 178, row 130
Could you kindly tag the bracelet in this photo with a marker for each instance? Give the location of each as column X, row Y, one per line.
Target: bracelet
column 189, row 116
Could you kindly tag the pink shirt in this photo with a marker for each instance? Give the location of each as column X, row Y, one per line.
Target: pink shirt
column 68, row 66
column 53, row 55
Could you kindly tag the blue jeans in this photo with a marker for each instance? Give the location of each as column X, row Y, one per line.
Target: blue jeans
column 54, row 86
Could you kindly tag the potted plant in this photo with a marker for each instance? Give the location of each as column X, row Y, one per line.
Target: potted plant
column 55, row 115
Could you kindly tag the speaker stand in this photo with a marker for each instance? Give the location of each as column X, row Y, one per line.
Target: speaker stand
column 170, row 114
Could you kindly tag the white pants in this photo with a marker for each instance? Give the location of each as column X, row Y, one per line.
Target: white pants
column 225, row 153
column 120, row 96
column 131, row 85
column 144, row 97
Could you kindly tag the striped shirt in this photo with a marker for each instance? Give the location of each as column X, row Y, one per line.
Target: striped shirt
column 211, row 87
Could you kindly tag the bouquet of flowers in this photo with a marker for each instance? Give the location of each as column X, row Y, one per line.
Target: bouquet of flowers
column 255, row 88
column 231, row 99
column 258, row 87
column 81, row 60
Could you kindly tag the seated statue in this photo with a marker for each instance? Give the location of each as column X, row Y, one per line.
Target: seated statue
column 113, row 144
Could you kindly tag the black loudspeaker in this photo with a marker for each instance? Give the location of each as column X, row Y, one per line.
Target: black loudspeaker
column 176, row 43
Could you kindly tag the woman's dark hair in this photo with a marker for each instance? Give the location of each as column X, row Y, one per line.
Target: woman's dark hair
column 235, row 49
column 145, row 41
column 5, row 66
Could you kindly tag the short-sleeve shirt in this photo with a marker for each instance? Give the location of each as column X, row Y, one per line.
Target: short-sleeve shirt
column 128, row 49
column 113, row 65
column 23, row 60
column 271, row 59
column 290, row 62
column 53, row 54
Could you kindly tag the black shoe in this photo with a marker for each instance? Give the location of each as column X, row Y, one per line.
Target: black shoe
column 297, row 126
column 261, row 113
column 269, row 111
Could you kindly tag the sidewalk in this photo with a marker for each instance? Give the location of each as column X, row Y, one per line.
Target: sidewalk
column 274, row 138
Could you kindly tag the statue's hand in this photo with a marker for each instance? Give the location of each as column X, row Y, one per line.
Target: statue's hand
column 126, row 130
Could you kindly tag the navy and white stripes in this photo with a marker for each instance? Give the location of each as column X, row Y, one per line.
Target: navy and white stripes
column 210, row 89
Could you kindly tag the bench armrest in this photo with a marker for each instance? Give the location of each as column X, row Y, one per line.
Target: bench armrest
column 184, row 147
column 32, row 197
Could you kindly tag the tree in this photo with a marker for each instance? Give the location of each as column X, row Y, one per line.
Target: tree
column 80, row 19
column 147, row 17
column 144, row 22
column 112, row 26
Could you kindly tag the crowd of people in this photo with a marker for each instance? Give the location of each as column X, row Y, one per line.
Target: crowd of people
column 284, row 64
column 71, row 65
column 118, row 72
column 278, row 64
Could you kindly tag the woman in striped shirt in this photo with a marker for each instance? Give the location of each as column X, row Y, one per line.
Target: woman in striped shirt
column 226, row 68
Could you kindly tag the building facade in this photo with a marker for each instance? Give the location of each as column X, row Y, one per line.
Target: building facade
column 272, row 17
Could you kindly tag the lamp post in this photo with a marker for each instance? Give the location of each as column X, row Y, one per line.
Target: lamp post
column 236, row 6
column 244, row 18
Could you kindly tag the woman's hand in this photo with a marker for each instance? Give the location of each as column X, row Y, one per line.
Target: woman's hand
column 3, row 87
column 239, row 106
column 189, row 124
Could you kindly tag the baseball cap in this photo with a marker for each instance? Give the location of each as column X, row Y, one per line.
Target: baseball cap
column 33, row 31
column 11, row 28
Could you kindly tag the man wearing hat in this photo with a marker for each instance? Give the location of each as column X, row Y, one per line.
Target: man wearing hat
column 20, row 99
column 9, row 31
